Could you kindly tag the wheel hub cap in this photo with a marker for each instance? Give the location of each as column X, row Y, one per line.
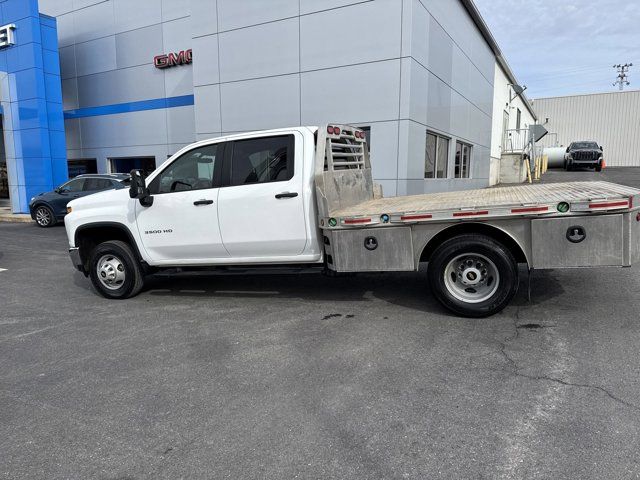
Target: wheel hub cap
column 471, row 278
column 111, row 272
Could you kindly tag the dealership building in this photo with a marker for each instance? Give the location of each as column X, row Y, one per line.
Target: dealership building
column 119, row 84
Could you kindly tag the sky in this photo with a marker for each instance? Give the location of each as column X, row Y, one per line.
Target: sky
column 558, row 47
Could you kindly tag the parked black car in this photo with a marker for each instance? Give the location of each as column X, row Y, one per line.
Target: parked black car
column 49, row 208
column 583, row 154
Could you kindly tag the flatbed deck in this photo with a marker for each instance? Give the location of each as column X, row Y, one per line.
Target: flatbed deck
column 541, row 199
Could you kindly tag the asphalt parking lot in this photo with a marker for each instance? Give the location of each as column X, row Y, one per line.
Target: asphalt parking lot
column 304, row 376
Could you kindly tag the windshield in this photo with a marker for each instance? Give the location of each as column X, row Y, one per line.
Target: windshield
column 584, row 145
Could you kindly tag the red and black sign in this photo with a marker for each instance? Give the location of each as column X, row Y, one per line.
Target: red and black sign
column 185, row 57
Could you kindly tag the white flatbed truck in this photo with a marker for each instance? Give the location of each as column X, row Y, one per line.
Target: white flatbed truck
column 305, row 196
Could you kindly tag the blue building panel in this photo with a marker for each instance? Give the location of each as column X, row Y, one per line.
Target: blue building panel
column 31, row 96
column 27, row 30
column 15, row 10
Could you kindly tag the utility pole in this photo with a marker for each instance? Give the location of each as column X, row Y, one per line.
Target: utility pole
column 621, row 80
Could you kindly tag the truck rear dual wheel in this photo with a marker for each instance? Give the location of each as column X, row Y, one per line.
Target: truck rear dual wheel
column 473, row 275
column 115, row 271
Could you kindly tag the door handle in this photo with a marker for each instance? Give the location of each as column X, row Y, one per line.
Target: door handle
column 287, row 195
column 203, row 202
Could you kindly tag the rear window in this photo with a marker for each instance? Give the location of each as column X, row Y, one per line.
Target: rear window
column 262, row 160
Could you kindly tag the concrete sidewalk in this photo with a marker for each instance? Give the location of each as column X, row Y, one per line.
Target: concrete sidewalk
column 7, row 216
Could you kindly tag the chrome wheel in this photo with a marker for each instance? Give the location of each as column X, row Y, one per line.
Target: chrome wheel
column 43, row 216
column 111, row 272
column 471, row 278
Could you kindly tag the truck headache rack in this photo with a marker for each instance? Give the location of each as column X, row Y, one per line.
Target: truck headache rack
column 343, row 170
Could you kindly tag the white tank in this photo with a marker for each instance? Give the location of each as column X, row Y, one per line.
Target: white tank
column 555, row 156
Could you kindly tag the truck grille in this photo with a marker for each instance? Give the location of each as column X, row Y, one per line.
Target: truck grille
column 585, row 156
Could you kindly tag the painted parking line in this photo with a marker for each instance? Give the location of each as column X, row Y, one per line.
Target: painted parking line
column 3, row 269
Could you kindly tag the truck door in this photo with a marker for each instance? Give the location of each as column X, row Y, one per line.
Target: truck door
column 182, row 224
column 261, row 206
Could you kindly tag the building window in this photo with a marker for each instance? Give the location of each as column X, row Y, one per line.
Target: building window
column 436, row 156
column 463, row 160
column 518, row 118
column 126, row 164
column 82, row 166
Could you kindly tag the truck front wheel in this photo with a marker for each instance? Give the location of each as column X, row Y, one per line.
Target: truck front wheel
column 114, row 270
column 473, row 275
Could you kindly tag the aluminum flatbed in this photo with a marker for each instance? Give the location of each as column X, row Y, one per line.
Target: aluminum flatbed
column 520, row 200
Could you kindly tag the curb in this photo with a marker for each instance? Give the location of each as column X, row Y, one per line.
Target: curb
column 16, row 218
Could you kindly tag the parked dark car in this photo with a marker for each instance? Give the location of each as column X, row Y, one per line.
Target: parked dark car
column 583, row 154
column 49, row 208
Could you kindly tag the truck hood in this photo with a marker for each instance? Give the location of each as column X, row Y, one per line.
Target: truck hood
column 101, row 199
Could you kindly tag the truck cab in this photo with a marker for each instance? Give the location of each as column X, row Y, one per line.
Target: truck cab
column 238, row 200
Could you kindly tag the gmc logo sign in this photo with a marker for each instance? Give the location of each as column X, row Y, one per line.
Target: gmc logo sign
column 6, row 35
column 184, row 57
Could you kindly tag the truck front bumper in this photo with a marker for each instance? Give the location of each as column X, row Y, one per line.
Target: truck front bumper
column 76, row 260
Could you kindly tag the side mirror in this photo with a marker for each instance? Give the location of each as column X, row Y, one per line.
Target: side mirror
column 601, row 148
column 138, row 189
column 567, row 150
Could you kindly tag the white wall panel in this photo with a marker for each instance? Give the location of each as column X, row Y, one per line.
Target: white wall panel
column 70, row 94
column 126, row 129
column 310, row 6
column 358, row 93
column 384, row 149
column 205, row 65
column 242, row 13
column 68, row 62
column 207, row 108
column 181, row 125
column 260, row 51
column 260, row 104
column 120, row 86
column 129, row 17
column 138, row 47
column 96, row 56
column 415, row 31
column 172, row 9
column 176, row 35
column 55, row 8
column 438, row 104
column 360, row 33
column 440, row 52
column 178, row 81
column 92, row 22
column 204, row 18
column 413, row 139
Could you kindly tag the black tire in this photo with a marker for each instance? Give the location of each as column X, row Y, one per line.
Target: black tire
column 500, row 259
column 44, row 216
column 124, row 257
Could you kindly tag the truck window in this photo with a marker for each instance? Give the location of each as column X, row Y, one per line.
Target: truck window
column 191, row 171
column 261, row 160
